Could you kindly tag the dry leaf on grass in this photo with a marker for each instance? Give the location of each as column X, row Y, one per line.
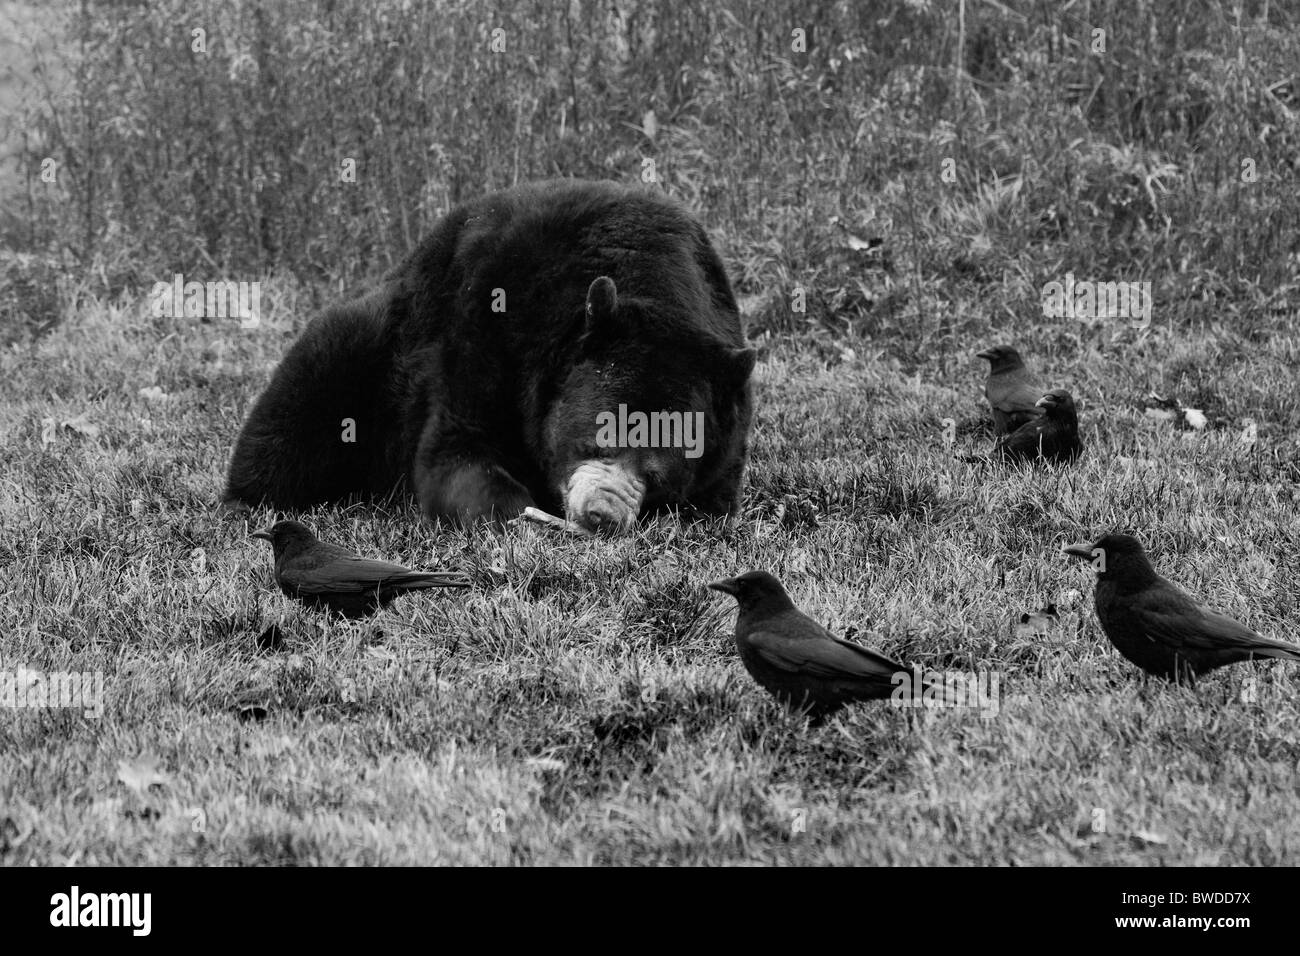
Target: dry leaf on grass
column 82, row 425
column 143, row 772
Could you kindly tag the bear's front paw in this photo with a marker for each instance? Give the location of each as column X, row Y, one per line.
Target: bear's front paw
column 467, row 494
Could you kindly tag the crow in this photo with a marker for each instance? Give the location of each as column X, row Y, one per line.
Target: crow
column 1158, row 627
column 797, row 660
column 326, row 576
column 1053, row 437
column 1011, row 389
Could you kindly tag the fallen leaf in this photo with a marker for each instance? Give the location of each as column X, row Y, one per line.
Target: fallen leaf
column 269, row 746
column 545, row 763
column 749, row 305
column 82, row 425
column 1036, row 624
column 1136, row 462
column 141, row 773
column 798, row 561
column 255, row 712
column 253, row 702
column 1069, row 598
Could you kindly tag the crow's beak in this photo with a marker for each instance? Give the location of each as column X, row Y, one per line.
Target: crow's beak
column 1047, row 401
column 726, row 586
column 1081, row 550
column 265, row 535
column 986, row 354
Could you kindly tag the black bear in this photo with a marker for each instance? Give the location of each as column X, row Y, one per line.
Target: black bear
column 570, row 345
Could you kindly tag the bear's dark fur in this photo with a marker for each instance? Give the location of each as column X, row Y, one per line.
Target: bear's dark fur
column 474, row 372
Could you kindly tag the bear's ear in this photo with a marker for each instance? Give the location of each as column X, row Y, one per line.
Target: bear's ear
column 740, row 363
column 602, row 303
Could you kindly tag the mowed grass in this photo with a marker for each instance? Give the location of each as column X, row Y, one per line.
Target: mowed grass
column 584, row 703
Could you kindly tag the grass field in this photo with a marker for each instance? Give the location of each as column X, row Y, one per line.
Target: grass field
column 921, row 171
column 584, row 704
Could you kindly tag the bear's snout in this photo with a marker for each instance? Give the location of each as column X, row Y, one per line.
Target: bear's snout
column 604, row 495
column 600, row 517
